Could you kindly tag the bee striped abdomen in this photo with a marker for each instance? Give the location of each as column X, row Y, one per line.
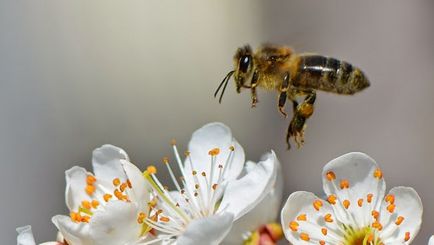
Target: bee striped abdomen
column 329, row 74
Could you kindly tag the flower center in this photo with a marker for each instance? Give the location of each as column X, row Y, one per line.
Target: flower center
column 364, row 236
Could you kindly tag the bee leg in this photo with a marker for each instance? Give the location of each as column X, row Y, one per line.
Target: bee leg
column 298, row 123
column 283, row 94
column 253, row 84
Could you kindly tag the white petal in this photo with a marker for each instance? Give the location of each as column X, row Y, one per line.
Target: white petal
column 106, row 163
column 301, row 203
column 431, row 240
column 207, row 231
column 210, row 136
column 264, row 213
column 116, row 224
column 74, row 233
column 409, row 206
column 25, row 236
column 243, row 195
column 139, row 192
column 75, row 187
column 358, row 169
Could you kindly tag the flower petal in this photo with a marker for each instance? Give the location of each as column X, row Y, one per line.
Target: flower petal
column 116, row 224
column 75, row 187
column 407, row 204
column 241, row 196
column 264, row 213
column 139, row 192
column 73, row 233
column 210, row 136
column 431, row 240
column 351, row 178
column 207, row 231
column 25, row 236
column 302, row 223
column 106, row 163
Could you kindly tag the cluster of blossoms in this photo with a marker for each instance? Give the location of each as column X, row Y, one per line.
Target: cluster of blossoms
column 222, row 199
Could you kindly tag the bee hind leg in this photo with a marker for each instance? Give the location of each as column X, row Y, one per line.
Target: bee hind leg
column 253, row 84
column 297, row 125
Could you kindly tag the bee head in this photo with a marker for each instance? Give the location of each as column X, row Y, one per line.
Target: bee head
column 243, row 63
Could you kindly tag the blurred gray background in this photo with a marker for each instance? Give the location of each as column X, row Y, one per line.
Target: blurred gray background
column 78, row 74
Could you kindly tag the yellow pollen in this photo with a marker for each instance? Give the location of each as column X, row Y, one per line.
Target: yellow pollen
column 90, row 189
column 141, row 218
column 194, row 173
column 331, row 199
column 86, row 204
column 345, row 184
column 322, row 242
column 151, row 169
column 369, row 197
column 370, row 237
column 123, row 187
column 76, row 217
column 331, row 175
column 214, row 152
column 302, row 217
column 390, row 198
column 391, row 208
column 116, row 181
column 360, row 202
column 232, row 148
column 85, row 219
column 173, row 142
column 164, row 219
column 378, row 174
column 399, row 220
column 129, row 184
column 186, row 153
column 293, row 225
column 107, row 197
column 328, row 218
column 407, row 236
column 90, row 179
column 95, row 203
column 196, row 186
column 346, row 203
column 317, row 204
column 324, row 231
column 165, row 160
column 304, row 237
column 203, row 174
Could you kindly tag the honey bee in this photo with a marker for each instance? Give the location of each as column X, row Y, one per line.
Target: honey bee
column 292, row 75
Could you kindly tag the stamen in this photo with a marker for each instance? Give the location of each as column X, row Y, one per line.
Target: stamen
column 330, row 175
column 328, row 218
column 399, row 220
column 116, row 182
column 324, row 231
column 293, row 225
column 390, row 198
column 332, row 199
column 172, row 176
column 360, row 202
column 369, row 197
column 345, row 184
column 107, row 197
column 346, row 204
column 378, row 174
column 302, row 217
column 304, row 237
column 407, row 236
column 317, row 204
column 391, row 208
column 90, row 179
column 90, row 189
column 214, row 152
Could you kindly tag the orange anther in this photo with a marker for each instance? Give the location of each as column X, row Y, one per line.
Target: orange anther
column 346, row 203
column 302, row 217
column 95, row 203
column 332, row 199
column 90, row 179
column 390, row 198
column 370, row 237
column 328, row 218
column 293, row 225
column 116, row 181
column 203, row 174
column 86, row 204
column 407, row 236
column 360, row 202
column 377, row 225
column 214, row 186
column 232, row 148
column 123, row 187
column 151, row 169
column 322, row 242
column 375, row 214
column 164, row 219
column 214, row 152
column 391, row 208
column 399, row 220
column 165, row 160
column 85, row 219
column 90, row 189
column 378, row 174
column 173, row 142
column 324, row 231
column 317, row 204
column 194, row 172
column 107, row 197
column 369, row 197
column 330, row 175
column 186, row 153
column 345, row 184
column 129, row 184
column 304, row 237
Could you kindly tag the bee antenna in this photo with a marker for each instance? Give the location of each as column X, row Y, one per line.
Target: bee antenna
column 225, row 82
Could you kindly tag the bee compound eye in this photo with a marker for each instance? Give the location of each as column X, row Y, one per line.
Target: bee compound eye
column 244, row 63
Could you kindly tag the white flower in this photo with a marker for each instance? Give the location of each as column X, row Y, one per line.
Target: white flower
column 431, row 240
column 259, row 222
column 356, row 211
column 211, row 195
column 104, row 208
column 25, row 237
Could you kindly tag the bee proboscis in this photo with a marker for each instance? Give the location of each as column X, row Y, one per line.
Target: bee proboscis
column 292, row 75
